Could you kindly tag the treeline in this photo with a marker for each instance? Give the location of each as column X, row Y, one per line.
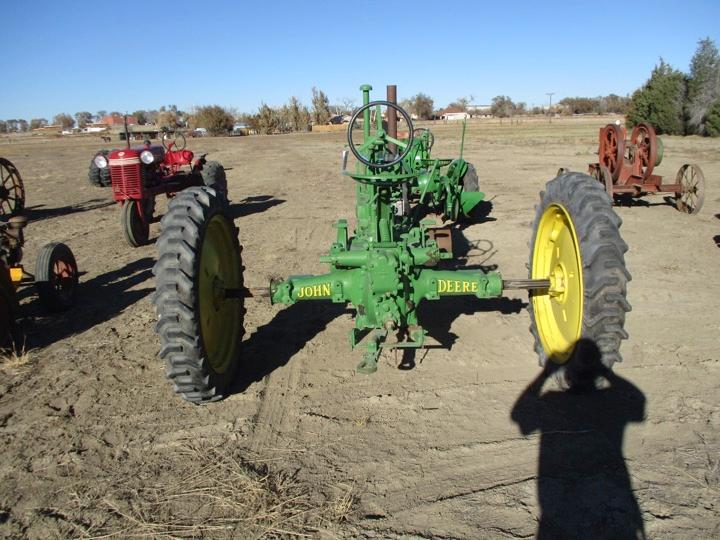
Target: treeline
column 680, row 103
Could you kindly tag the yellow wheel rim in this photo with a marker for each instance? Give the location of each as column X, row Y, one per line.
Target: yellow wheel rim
column 556, row 255
column 220, row 317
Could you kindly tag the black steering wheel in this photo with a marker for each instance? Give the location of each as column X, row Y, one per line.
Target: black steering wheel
column 176, row 138
column 375, row 151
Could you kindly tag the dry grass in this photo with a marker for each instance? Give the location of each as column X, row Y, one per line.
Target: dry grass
column 217, row 495
column 14, row 359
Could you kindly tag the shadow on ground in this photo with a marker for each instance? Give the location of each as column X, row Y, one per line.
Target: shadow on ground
column 272, row 345
column 253, row 205
column 98, row 300
column 40, row 212
column 584, row 487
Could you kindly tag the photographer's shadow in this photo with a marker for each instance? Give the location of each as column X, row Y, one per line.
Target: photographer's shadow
column 583, row 484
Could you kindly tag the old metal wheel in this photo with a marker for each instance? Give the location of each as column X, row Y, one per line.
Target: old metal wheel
column 606, row 179
column 56, row 276
column 374, row 152
column 611, row 152
column 643, row 138
column 12, row 191
column 692, row 197
column 136, row 230
column 199, row 300
column 419, row 132
column 576, row 244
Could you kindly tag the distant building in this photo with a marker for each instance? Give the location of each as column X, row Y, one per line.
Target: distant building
column 54, row 128
column 453, row 113
column 480, row 111
column 118, row 120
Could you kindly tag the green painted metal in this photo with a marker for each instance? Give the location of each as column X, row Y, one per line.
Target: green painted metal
column 385, row 269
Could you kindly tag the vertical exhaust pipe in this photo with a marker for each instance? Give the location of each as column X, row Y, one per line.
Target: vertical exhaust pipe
column 392, row 116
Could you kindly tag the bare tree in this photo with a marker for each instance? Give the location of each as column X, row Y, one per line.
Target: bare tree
column 38, row 123
column 65, row 120
column 83, row 118
column 320, row 107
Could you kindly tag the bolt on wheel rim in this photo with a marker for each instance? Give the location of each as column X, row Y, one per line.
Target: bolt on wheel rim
column 556, row 256
column 219, row 316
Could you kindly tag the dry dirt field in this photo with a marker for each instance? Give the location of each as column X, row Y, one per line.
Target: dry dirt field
column 95, row 444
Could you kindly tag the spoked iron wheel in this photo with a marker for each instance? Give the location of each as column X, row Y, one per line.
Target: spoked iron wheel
column 577, row 246
column 56, row 276
column 12, row 191
column 420, row 132
column 612, row 149
column 645, row 141
column 692, row 197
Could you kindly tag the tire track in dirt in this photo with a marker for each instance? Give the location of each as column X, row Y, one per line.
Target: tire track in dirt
column 277, row 410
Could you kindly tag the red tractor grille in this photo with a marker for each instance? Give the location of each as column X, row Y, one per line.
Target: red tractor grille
column 126, row 178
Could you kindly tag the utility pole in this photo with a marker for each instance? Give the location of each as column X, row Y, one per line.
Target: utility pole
column 550, row 94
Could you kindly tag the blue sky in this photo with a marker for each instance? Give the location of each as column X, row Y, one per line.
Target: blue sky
column 70, row 56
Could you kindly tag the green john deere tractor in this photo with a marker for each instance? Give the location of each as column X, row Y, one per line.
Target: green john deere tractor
column 388, row 264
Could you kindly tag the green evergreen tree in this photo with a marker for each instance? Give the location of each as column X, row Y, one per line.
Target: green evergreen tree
column 703, row 86
column 712, row 120
column 660, row 101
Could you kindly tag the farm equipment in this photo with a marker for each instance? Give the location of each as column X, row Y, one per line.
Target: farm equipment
column 138, row 175
column 442, row 186
column 388, row 266
column 626, row 168
column 56, row 275
column 12, row 191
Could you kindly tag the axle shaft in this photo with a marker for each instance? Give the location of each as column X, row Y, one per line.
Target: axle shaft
column 527, row 284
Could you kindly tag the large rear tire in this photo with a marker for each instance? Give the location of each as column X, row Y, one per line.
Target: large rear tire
column 99, row 177
column 8, row 308
column 56, row 276
column 576, row 243
column 200, row 326
column 135, row 230
column 213, row 176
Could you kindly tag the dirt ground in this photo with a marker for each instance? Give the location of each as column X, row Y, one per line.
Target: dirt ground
column 94, row 442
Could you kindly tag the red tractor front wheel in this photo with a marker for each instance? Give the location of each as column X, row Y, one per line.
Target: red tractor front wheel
column 135, row 229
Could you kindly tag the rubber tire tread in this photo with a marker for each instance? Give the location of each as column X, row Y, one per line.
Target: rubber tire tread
column 8, row 308
column 470, row 179
column 43, row 270
column 128, row 215
column 213, row 176
column 99, row 177
column 605, row 276
column 176, row 270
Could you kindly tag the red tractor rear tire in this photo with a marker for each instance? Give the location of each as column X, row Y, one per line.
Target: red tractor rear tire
column 213, row 176
column 96, row 176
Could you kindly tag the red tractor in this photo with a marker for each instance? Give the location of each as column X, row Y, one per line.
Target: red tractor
column 139, row 174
